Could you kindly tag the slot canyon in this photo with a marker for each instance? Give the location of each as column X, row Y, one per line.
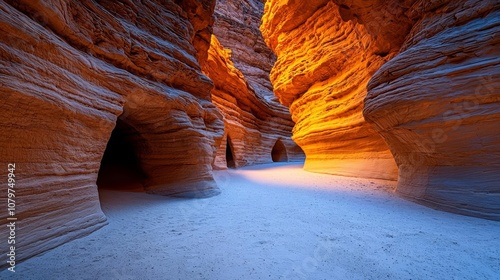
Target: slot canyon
column 252, row 139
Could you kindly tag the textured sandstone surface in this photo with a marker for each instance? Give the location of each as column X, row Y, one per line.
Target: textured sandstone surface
column 69, row 70
column 433, row 93
column 239, row 64
column 324, row 62
column 437, row 104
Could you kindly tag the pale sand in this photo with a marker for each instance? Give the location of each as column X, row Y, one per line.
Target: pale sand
column 276, row 222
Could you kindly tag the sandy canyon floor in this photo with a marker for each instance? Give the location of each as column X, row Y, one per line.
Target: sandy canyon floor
column 275, row 221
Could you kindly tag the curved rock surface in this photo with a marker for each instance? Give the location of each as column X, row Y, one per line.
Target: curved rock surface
column 325, row 60
column 69, row 70
column 433, row 93
column 239, row 64
column 437, row 104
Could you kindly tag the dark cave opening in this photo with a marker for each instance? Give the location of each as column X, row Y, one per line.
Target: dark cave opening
column 120, row 167
column 229, row 155
column 278, row 153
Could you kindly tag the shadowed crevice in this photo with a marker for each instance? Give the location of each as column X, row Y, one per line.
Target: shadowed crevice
column 120, row 167
column 229, row 154
column 279, row 153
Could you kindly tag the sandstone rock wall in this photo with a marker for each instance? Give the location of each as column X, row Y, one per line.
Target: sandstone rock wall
column 239, row 64
column 433, row 93
column 325, row 60
column 437, row 104
column 69, row 70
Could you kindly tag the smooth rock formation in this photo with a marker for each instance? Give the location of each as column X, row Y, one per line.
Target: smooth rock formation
column 255, row 123
column 69, row 70
column 325, row 60
column 437, row 104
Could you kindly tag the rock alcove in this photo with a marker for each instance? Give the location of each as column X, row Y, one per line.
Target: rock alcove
column 120, row 167
column 279, row 153
column 229, row 154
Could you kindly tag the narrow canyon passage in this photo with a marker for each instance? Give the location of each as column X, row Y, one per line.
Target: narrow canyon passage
column 276, row 221
column 121, row 118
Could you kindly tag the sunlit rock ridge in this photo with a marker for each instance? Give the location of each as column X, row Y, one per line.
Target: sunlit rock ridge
column 325, row 60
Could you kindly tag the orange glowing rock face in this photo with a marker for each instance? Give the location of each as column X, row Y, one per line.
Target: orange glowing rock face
column 324, row 64
column 432, row 94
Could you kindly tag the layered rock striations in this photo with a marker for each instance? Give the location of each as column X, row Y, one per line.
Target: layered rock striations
column 237, row 29
column 325, row 60
column 437, row 104
column 257, row 128
column 70, row 70
column 429, row 71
